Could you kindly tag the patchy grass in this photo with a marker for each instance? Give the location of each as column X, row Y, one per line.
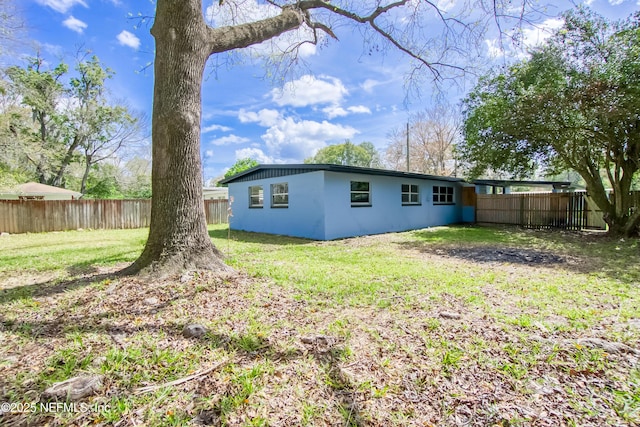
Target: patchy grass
column 444, row 326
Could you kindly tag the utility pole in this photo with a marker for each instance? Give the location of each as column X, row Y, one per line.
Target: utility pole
column 408, row 168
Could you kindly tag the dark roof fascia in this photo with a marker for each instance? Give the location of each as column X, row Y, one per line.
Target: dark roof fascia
column 341, row 169
column 507, row 183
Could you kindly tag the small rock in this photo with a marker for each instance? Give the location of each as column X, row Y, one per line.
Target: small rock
column 186, row 277
column 194, row 331
column 4, row 234
column 634, row 323
column 74, row 388
column 98, row 361
column 449, row 315
column 111, row 289
column 12, row 359
column 151, row 301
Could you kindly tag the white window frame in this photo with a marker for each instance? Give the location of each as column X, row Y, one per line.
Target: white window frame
column 280, row 193
column 353, row 192
column 412, row 197
column 443, row 195
column 256, row 200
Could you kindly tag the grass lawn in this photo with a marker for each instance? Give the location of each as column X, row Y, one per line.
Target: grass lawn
column 447, row 326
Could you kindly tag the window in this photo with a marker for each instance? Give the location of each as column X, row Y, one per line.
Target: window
column 280, row 195
column 360, row 193
column 410, row 195
column 256, row 196
column 442, row 195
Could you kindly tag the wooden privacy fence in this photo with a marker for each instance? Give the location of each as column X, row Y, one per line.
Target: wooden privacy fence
column 569, row 211
column 33, row 216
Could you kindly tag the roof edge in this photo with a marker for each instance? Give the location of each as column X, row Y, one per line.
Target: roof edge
column 338, row 168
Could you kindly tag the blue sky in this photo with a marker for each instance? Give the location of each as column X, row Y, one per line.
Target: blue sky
column 341, row 93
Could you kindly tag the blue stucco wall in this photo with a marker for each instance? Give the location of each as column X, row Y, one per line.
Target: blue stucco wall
column 303, row 218
column 386, row 214
column 320, row 206
column 468, row 214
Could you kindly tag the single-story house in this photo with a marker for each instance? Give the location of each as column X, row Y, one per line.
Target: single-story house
column 325, row 202
column 36, row 191
column 215, row 193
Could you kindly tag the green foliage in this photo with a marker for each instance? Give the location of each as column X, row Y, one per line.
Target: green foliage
column 572, row 105
column 240, row 166
column 348, row 154
column 54, row 121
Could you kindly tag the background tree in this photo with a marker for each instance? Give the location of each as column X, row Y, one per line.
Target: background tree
column 432, row 137
column 240, row 165
column 178, row 237
column 136, row 178
column 348, row 154
column 575, row 104
column 71, row 120
column 39, row 139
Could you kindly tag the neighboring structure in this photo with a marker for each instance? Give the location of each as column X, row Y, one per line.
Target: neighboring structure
column 215, row 193
column 324, row 202
column 36, row 191
column 505, row 186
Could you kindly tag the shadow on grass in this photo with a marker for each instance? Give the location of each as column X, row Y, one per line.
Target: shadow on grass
column 50, row 287
column 245, row 347
column 88, row 271
column 262, row 238
column 579, row 252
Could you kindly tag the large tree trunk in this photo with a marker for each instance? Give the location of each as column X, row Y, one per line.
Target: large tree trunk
column 178, row 237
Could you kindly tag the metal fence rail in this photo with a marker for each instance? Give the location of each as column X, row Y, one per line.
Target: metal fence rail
column 34, row 216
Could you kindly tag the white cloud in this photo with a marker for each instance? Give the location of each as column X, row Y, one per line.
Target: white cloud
column 212, row 128
column 334, row 111
column 256, row 154
column 446, row 5
column 494, row 49
column 292, row 141
column 229, row 139
column 74, row 24
column 370, row 84
column 359, row 109
column 337, row 111
column 532, row 37
column 208, row 154
column 61, row 6
column 263, row 117
column 128, row 39
column 616, row 2
column 309, row 90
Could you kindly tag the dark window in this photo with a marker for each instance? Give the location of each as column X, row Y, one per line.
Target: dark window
column 442, row 195
column 280, row 195
column 410, row 194
column 360, row 193
column 256, row 196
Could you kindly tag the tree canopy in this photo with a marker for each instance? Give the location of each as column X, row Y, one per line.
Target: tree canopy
column 51, row 121
column 240, row 165
column 573, row 105
column 348, row 154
